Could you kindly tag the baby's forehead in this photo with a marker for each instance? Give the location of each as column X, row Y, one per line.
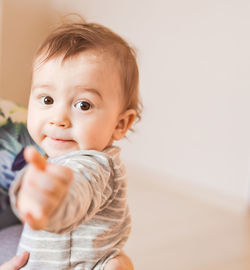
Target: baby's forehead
column 88, row 68
column 96, row 54
column 82, row 68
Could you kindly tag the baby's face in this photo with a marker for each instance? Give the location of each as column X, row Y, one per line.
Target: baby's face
column 75, row 105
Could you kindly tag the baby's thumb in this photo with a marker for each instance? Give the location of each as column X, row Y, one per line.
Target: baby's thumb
column 32, row 156
column 16, row 262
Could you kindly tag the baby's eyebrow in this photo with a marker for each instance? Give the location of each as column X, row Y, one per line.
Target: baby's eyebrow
column 41, row 86
column 90, row 90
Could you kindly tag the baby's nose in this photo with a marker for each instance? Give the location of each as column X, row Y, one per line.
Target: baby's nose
column 64, row 123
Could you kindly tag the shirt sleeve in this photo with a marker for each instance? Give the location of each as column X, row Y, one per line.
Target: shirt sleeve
column 90, row 189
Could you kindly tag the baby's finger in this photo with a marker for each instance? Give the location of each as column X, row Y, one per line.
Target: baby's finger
column 16, row 262
column 61, row 172
column 46, row 185
column 34, row 223
column 32, row 156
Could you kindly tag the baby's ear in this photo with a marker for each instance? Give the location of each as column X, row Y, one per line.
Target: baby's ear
column 125, row 121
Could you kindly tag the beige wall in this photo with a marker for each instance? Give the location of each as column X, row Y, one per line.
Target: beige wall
column 194, row 59
column 24, row 25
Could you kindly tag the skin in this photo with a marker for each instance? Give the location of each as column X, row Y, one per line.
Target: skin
column 71, row 104
column 86, row 101
column 16, row 262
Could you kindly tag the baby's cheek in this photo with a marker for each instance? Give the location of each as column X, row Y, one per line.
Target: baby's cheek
column 34, row 129
column 32, row 126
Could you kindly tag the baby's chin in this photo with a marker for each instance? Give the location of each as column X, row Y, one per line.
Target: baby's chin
column 59, row 153
column 54, row 150
column 54, row 153
column 56, row 147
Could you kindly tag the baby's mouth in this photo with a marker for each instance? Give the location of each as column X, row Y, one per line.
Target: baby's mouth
column 59, row 140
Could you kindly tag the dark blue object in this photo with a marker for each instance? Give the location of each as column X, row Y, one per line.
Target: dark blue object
column 19, row 162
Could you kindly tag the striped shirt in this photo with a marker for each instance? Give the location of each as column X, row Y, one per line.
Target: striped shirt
column 93, row 222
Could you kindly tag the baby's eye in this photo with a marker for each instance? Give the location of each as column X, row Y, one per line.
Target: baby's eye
column 83, row 105
column 47, row 100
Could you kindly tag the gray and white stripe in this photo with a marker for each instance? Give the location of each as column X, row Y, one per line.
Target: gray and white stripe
column 93, row 222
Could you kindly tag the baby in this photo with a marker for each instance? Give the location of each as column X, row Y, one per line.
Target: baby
column 84, row 96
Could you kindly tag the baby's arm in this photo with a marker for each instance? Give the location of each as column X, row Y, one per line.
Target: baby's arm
column 43, row 187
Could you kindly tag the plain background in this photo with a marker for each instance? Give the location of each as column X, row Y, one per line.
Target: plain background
column 194, row 61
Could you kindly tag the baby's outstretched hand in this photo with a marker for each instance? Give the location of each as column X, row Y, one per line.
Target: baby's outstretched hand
column 43, row 187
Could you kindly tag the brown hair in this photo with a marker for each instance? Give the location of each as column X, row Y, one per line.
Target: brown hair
column 69, row 39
